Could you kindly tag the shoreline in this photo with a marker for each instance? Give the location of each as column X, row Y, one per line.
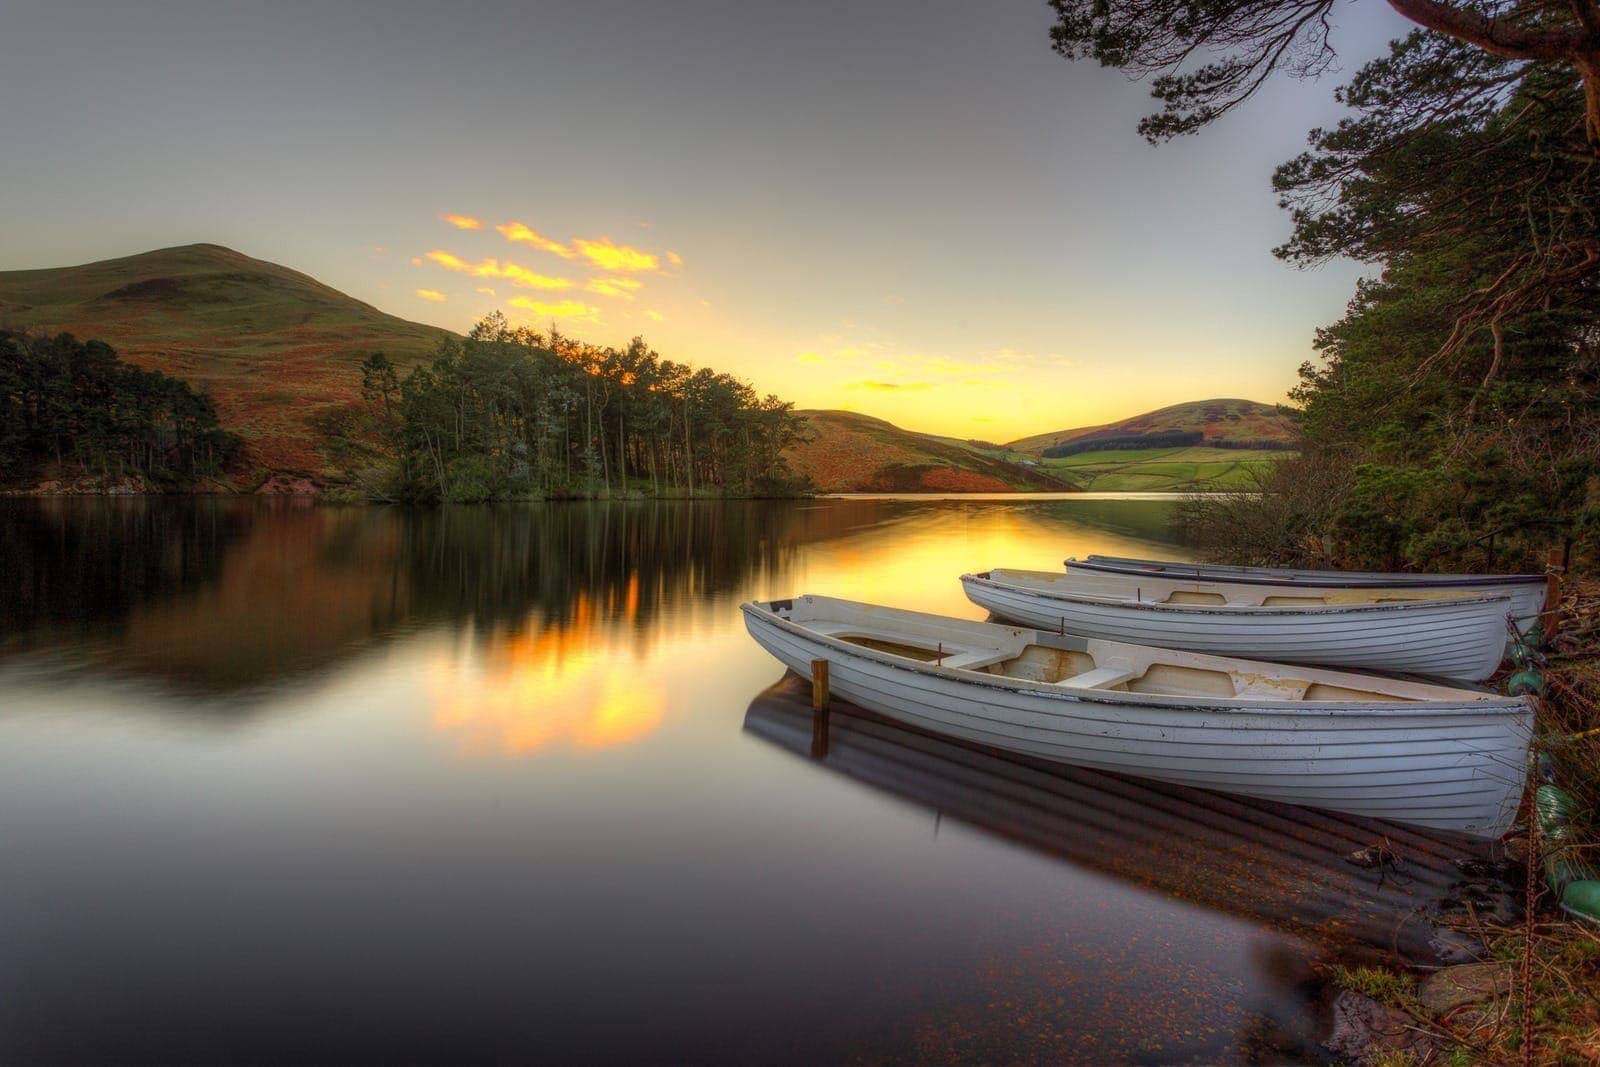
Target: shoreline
column 347, row 500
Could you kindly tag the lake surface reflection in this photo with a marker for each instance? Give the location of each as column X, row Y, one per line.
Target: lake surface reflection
column 285, row 783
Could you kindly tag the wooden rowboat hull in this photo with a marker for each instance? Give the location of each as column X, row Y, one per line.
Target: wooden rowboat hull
column 1451, row 759
column 1529, row 593
column 1462, row 638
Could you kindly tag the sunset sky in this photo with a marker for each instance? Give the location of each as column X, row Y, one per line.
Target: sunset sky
column 912, row 209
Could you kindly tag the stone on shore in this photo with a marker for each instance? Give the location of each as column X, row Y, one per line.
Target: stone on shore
column 1470, row 983
column 1365, row 1030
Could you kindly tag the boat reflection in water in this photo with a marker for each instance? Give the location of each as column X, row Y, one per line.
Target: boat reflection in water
column 1278, row 865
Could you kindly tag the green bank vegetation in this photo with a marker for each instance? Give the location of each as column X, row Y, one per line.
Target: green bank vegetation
column 1452, row 417
column 1196, row 468
column 71, row 409
column 513, row 414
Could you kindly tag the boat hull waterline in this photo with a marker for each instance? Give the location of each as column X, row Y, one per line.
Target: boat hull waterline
column 1442, row 757
column 1461, row 638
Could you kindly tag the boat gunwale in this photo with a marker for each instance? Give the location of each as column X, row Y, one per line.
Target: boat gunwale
column 1238, row 610
column 1324, row 579
column 1472, row 702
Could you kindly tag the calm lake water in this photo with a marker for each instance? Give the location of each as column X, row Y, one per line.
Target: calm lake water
column 282, row 783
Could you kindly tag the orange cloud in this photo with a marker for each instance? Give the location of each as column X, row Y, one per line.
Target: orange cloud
column 463, row 222
column 518, row 232
column 563, row 309
column 623, row 287
column 494, row 268
column 448, row 261
column 431, row 294
column 607, row 255
column 652, row 313
column 485, row 290
column 675, row 259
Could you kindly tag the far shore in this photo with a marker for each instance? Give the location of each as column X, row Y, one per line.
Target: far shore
column 346, row 500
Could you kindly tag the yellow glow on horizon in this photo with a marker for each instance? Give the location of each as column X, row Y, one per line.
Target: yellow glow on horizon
column 917, row 372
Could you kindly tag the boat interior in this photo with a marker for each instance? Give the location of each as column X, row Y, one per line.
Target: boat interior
column 1081, row 663
column 1154, row 589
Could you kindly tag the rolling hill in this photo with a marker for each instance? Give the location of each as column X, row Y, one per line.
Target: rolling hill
column 275, row 349
column 1203, row 445
column 1219, row 423
column 851, row 453
column 278, row 351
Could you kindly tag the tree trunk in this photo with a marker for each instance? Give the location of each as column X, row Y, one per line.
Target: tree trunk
column 688, row 449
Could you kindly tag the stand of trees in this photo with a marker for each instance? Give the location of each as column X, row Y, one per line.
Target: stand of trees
column 1453, row 417
column 510, row 413
column 75, row 405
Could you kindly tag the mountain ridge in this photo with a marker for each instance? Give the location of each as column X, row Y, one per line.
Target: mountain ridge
column 1225, row 422
column 276, row 349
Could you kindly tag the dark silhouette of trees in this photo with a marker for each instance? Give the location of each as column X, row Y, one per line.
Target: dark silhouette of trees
column 507, row 413
column 1453, row 419
column 1487, row 118
column 74, row 405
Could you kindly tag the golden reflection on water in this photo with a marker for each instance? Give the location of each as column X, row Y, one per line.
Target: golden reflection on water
column 578, row 684
column 597, row 676
column 914, row 562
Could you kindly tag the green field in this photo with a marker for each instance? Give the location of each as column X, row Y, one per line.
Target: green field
column 1163, row 469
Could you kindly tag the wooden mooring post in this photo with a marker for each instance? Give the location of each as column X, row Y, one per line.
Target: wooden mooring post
column 819, row 734
column 819, row 685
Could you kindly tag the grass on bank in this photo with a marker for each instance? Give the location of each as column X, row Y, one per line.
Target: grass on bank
column 1554, row 997
column 1164, row 469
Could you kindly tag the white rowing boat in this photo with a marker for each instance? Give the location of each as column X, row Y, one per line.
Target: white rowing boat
column 1530, row 593
column 1389, row 748
column 1457, row 637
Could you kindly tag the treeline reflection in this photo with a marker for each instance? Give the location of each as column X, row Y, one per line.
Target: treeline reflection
column 223, row 594
column 219, row 595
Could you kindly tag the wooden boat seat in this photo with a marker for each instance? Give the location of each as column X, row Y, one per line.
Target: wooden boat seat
column 978, row 658
column 1099, row 678
column 962, row 656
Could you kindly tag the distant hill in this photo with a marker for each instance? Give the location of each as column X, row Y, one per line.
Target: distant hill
column 275, row 349
column 1219, row 423
column 278, row 351
column 852, row 453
